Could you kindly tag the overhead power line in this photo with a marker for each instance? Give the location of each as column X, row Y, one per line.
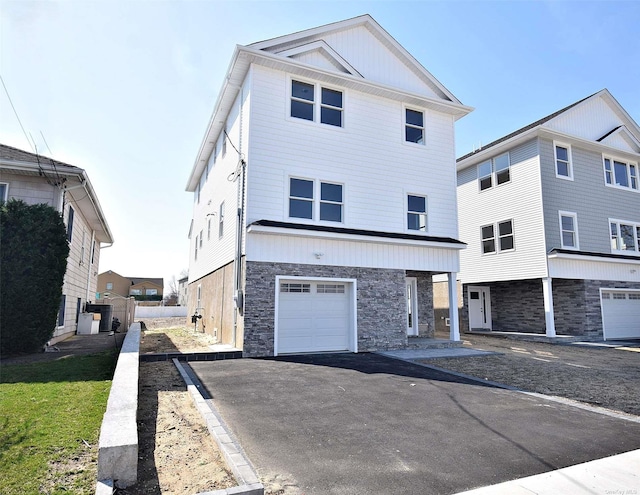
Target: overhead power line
column 16, row 113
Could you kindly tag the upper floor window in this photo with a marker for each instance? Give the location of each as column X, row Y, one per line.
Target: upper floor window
column 414, row 126
column 495, row 171
column 135, row 292
column 208, row 229
column 302, row 202
column 417, row 213
column 4, row 189
column 109, row 285
column 568, row 230
column 497, row 237
column 151, row 292
column 70, row 223
column 304, row 102
column 619, row 173
column 564, row 169
column 625, row 236
column 221, row 220
column 200, row 239
column 330, row 202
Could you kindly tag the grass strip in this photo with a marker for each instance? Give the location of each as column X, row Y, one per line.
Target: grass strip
column 50, row 416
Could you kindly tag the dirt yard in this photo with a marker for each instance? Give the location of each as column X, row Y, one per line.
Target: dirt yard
column 601, row 376
column 176, row 453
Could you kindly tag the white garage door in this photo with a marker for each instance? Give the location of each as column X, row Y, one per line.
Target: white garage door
column 313, row 316
column 621, row 314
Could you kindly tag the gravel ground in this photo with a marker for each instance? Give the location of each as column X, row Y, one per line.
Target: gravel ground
column 604, row 376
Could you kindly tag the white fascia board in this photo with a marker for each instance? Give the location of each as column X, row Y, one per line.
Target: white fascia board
column 227, row 95
column 604, row 259
column 87, row 199
column 260, row 229
column 622, row 113
column 596, row 146
column 353, row 82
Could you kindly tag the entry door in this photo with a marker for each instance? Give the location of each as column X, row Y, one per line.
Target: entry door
column 412, row 306
column 479, row 308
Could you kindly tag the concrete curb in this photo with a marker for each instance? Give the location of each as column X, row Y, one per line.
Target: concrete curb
column 118, row 443
column 243, row 471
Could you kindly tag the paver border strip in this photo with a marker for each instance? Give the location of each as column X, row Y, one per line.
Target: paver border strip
column 242, row 469
column 553, row 398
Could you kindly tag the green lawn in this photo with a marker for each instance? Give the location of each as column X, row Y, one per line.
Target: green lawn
column 50, row 416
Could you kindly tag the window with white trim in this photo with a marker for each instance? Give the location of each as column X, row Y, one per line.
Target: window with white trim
column 620, row 173
column 304, row 103
column 564, row 168
column 208, row 229
column 417, row 212
column 503, row 241
column 4, row 190
column 201, row 236
column 302, row 202
column 568, row 229
column 413, row 126
column 495, row 171
column 195, row 254
column 625, row 236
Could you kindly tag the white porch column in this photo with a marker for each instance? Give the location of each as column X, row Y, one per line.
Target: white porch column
column 547, row 293
column 453, row 307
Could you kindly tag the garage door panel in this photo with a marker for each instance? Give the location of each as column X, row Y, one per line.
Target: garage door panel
column 316, row 320
column 621, row 314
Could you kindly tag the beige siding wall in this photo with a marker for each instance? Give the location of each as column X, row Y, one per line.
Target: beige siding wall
column 30, row 189
column 216, row 305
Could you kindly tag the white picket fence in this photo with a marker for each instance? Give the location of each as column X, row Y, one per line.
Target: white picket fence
column 160, row 311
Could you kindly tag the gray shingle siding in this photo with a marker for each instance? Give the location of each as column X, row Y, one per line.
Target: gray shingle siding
column 587, row 196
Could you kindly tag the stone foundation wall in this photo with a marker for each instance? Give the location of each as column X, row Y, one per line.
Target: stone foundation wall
column 518, row 306
column 381, row 304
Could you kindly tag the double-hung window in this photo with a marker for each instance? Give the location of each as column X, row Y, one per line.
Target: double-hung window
column 414, row 126
column 564, row 169
column 495, row 171
column 331, row 202
column 303, row 204
column 503, row 241
column 304, row 103
column 568, row 230
column 625, row 236
column 4, row 189
column 619, row 173
column 300, row 198
column 417, row 212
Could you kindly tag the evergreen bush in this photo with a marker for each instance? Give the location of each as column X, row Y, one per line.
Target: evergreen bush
column 33, row 261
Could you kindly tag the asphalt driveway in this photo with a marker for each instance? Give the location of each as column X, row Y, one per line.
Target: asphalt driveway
column 363, row 423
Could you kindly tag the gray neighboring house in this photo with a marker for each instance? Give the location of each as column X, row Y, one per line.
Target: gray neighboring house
column 37, row 179
column 551, row 217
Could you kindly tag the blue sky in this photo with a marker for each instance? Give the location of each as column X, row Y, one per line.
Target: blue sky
column 124, row 89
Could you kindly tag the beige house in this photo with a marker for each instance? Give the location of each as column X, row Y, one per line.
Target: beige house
column 37, row 179
column 114, row 284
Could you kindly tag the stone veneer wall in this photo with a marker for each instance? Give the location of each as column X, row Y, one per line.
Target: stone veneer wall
column 381, row 304
column 518, row 306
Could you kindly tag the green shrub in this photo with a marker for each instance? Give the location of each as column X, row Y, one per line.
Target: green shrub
column 33, row 261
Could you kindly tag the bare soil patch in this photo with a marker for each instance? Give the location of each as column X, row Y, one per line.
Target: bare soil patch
column 176, row 452
column 606, row 377
column 172, row 335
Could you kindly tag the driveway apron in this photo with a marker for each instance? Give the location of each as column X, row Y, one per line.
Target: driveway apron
column 363, row 423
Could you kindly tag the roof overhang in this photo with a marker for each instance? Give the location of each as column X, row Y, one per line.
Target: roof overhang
column 74, row 182
column 267, row 227
column 545, row 133
column 241, row 62
column 583, row 255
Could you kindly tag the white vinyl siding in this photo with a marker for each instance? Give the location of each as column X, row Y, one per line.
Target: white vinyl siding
column 373, row 198
column 520, row 202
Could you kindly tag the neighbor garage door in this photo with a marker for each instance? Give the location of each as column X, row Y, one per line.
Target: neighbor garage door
column 621, row 314
column 313, row 316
